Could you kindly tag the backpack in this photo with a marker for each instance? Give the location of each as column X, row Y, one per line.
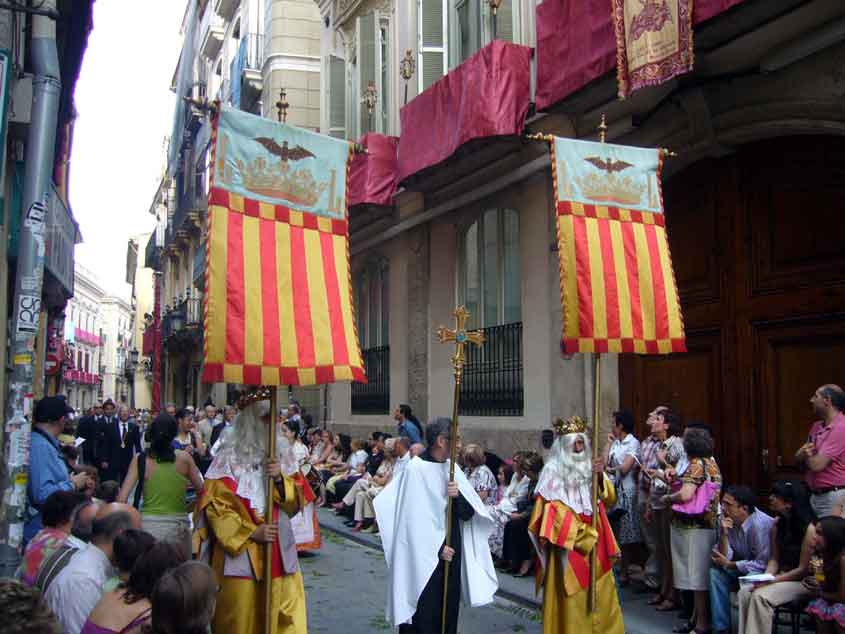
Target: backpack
column 53, row 565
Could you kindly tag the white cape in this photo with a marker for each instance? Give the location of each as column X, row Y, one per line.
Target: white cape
column 411, row 514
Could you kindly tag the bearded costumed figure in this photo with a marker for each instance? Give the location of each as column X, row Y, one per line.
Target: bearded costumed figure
column 561, row 530
column 232, row 533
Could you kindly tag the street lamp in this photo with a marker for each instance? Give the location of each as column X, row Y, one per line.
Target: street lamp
column 494, row 8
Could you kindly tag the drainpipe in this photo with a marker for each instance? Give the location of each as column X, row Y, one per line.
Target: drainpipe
column 46, row 87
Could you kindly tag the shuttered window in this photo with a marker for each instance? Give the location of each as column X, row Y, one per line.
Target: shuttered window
column 367, row 53
column 433, row 45
column 505, row 23
column 337, row 97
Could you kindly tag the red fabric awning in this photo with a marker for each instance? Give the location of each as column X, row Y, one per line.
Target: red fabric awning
column 372, row 176
column 488, row 95
column 575, row 43
column 148, row 343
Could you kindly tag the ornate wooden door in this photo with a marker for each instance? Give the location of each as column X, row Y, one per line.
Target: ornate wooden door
column 758, row 243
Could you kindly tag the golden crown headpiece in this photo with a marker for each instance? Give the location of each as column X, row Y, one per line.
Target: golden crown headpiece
column 260, row 393
column 572, row 425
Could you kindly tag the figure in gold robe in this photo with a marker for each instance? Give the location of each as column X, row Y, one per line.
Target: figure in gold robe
column 562, row 532
column 231, row 531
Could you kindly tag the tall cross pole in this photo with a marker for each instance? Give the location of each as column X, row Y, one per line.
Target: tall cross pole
column 460, row 336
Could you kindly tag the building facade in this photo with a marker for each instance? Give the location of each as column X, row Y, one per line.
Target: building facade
column 140, row 279
column 241, row 53
column 118, row 344
column 83, row 376
column 61, row 231
column 757, row 128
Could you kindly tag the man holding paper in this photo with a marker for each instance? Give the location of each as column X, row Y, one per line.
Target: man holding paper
column 744, row 548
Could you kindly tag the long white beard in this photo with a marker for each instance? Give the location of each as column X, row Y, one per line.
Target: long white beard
column 567, row 476
column 569, row 465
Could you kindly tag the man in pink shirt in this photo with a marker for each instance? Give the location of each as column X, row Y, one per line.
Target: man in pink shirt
column 823, row 455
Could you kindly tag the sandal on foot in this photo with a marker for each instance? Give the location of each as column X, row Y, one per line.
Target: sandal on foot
column 656, row 600
column 666, row 606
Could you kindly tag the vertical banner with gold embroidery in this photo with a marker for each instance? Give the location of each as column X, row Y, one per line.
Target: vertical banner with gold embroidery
column 278, row 301
column 653, row 41
column 616, row 279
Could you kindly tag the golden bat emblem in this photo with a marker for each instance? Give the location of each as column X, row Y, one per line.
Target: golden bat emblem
column 283, row 151
column 608, row 165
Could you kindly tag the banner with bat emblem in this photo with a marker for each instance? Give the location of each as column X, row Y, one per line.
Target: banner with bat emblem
column 616, row 279
column 278, row 300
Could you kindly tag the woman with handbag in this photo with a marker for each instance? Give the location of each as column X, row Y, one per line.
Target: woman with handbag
column 620, row 457
column 695, row 511
column 163, row 475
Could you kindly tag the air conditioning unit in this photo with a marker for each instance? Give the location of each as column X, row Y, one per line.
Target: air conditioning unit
column 20, row 105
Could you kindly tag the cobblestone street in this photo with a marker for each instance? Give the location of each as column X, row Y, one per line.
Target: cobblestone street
column 345, row 584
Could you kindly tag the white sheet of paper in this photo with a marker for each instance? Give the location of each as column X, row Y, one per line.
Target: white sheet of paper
column 78, row 442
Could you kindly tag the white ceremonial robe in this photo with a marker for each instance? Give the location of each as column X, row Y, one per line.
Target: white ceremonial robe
column 411, row 515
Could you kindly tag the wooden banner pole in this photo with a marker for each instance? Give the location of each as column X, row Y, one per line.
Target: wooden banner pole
column 268, row 515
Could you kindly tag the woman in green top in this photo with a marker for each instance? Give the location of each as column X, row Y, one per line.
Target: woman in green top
column 167, row 474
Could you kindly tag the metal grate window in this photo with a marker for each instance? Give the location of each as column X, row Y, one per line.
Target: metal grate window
column 373, row 397
column 492, row 378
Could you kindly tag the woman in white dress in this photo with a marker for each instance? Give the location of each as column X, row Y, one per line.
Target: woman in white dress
column 306, row 529
column 501, row 513
column 479, row 474
column 620, row 457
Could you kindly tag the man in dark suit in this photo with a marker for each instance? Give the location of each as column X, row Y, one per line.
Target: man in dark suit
column 90, row 428
column 122, row 442
column 229, row 415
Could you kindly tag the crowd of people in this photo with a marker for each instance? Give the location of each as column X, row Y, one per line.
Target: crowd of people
column 705, row 540
column 109, row 532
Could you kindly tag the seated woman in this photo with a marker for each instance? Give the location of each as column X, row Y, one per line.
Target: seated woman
column 184, row 600
column 793, row 540
column 326, row 447
column 479, row 474
column 503, row 478
column 338, row 459
column 128, row 548
column 354, row 467
column 363, row 492
column 516, row 493
column 127, row 609
column 517, row 551
column 828, row 586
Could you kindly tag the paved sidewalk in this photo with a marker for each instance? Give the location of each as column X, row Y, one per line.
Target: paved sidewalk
column 640, row 618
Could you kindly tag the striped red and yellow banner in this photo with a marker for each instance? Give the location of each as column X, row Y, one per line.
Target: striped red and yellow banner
column 617, row 284
column 278, row 301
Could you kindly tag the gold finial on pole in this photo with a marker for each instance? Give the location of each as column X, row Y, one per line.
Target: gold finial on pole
column 461, row 337
column 539, row 136
column 603, row 128
column 282, row 106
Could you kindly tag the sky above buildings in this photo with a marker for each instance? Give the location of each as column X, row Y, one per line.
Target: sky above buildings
column 125, row 111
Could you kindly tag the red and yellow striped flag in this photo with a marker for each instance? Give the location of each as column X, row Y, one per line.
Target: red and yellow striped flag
column 617, row 284
column 278, row 300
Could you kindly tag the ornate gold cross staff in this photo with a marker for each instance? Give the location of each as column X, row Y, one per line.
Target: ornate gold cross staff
column 461, row 337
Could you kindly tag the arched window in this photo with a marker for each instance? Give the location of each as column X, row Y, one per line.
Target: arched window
column 489, row 284
column 372, row 298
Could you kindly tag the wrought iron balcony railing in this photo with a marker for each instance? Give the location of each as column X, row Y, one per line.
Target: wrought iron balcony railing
column 492, row 382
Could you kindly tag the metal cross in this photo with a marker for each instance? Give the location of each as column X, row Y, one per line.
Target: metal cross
column 461, row 337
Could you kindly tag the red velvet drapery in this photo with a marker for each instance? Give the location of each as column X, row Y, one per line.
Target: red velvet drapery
column 487, row 95
column 575, row 43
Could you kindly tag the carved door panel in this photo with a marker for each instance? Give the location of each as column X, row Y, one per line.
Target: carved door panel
column 757, row 243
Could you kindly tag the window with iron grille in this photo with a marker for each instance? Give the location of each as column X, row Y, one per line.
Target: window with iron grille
column 489, row 286
column 372, row 294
